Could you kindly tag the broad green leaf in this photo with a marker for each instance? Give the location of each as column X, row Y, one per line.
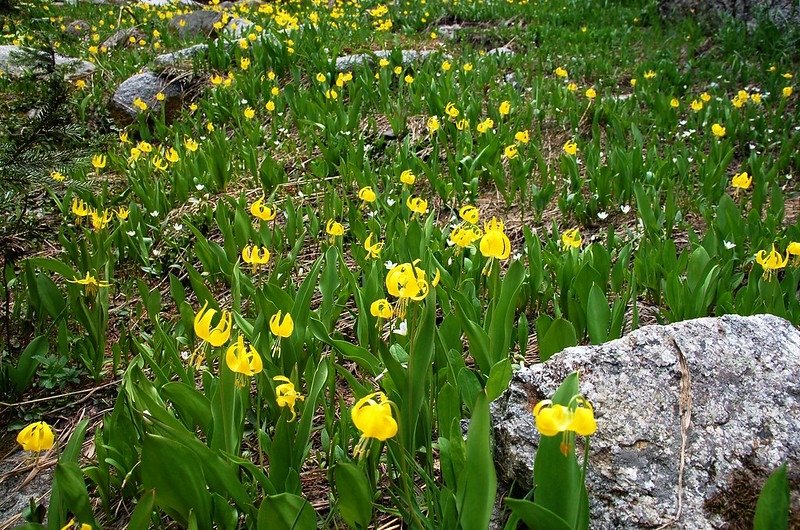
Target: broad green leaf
column 559, row 335
column 140, row 518
column 286, row 512
column 353, row 495
column 772, row 508
column 478, row 484
column 535, row 516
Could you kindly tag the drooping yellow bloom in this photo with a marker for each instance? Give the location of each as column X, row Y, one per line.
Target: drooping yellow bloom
column 171, row 155
column 122, row 213
column 433, row 124
column 771, row 262
column 36, row 437
column 331, row 94
column 571, row 148
column 145, row 147
column 718, row 130
column 469, row 213
column 697, row 105
column 462, row 124
column 334, row 228
column 71, row 525
column 372, row 415
column 552, row 419
column 446, row 66
column 244, row 63
column 649, row 74
column 261, row 211
column 464, row 235
column 590, row 93
column 787, row 91
column 408, row 178
column 505, row 108
column 406, row 282
column 90, row 283
column 467, row 67
column 560, row 72
column 100, row 221
column 522, row 137
column 140, row 104
column 99, row 162
column 243, row 359
column 373, row 249
column 674, row 103
column 381, row 308
column 321, row 77
column 281, row 327
column 367, row 194
column 451, row 111
column 57, row 176
column 741, row 181
column 215, row 336
column 572, row 87
column 417, row 205
column 571, row 238
column 286, row 395
column 706, row 97
column 511, row 152
column 80, row 208
column 159, row 163
column 255, row 256
column 756, row 98
column 793, row 249
column 495, row 243
column 249, row 113
column 485, row 126
column 190, row 144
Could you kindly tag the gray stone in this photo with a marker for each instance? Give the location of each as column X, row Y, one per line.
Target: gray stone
column 502, row 51
column 734, row 380
column 121, row 38
column 78, row 28
column 146, row 86
column 448, row 32
column 177, row 57
column 14, row 67
column 781, row 12
column 195, row 24
column 348, row 62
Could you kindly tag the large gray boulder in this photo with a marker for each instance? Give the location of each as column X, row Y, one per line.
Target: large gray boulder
column 180, row 56
column 694, row 414
column 147, row 86
column 122, row 38
column 781, row 12
column 15, row 65
column 195, row 24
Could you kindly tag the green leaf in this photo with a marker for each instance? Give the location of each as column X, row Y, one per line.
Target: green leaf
column 499, row 376
column 354, row 497
column 478, row 483
column 23, row 372
column 140, row 518
column 190, row 403
column 772, row 508
column 535, row 516
column 286, row 512
column 502, row 323
column 598, row 315
column 559, row 335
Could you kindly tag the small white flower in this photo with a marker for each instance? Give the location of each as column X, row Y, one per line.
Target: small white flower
column 625, row 208
column 402, row 329
column 199, row 187
column 131, row 233
column 178, row 227
column 390, row 202
column 389, row 264
column 154, row 213
column 729, row 245
column 602, row 215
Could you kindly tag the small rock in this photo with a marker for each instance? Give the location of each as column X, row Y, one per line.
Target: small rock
column 237, row 28
column 448, row 32
column 195, row 24
column 14, row 67
column 122, row 38
column 146, row 86
column 738, row 380
column 186, row 54
column 502, row 51
column 78, row 28
column 348, row 62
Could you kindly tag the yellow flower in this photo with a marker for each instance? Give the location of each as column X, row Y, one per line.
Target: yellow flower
column 57, row 176
column 756, row 98
column 367, row 194
column 737, row 102
column 373, row 417
column 467, row 67
column 572, row 87
column 249, row 113
column 408, row 178
column 100, row 221
column 571, row 238
column 122, row 213
column 583, row 422
column 560, row 72
column 275, row 91
column 469, row 213
column 446, row 66
column 408, row 79
column 794, row 250
column 90, row 283
column 649, row 74
column 522, row 137
column 373, row 249
column 144, row 146
column 771, row 262
column 406, row 282
column 160, row 96
column 398, row 70
column 99, row 162
column 697, row 105
column 706, row 97
column 741, row 181
column 495, row 242
column 462, row 124
column 552, row 419
column 171, row 155
column 331, row 94
column 511, row 151
column 590, row 93
column 321, row 78
column 417, row 205
column 381, row 308
column 190, row 145
column 485, row 125
column 216, row 79
column 36, row 437
column 244, row 63
column 243, row 359
column 465, row 235
column 334, row 228
column 219, row 334
column 159, row 163
column 571, row 148
column 286, row 395
column 505, row 108
column 674, row 103
column 787, row 91
column 80, row 208
column 80, row 84
column 281, row 327
column 718, row 130
column 262, row 211
column 71, row 525
column 451, row 111
column 633, row 82
column 255, row 256
column 123, row 137
column 270, row 106
column 140, row 104
column 433, row 124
